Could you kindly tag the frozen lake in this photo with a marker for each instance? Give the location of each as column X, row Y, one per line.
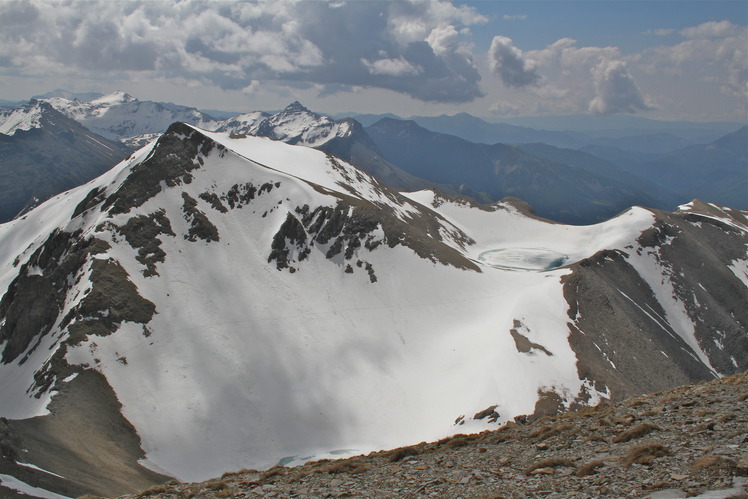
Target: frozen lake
column 523, row 258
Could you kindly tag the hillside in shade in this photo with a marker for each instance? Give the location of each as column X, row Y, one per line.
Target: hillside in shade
column 219, row 301
column 43, row 153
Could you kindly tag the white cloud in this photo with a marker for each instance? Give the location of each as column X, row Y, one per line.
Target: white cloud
column 510, row 63
column 517, row 17
column 714, row 54
column 712, row 29
column 231, row 44
column 616, row 91
column 391, row 67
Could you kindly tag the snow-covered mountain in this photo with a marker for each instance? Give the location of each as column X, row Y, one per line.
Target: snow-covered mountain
column 43, row 153
column 294, row 125
column 120, row 116
column 344, row 138
column 224, row 301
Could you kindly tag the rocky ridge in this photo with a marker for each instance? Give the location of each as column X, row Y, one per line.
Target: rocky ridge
column 690, row 441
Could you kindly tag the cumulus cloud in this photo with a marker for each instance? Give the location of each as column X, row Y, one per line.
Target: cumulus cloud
column 616, row 90
column 713, row 53
column 510, row 63
column 391, row 67
column 426, row 44
column 711, row 29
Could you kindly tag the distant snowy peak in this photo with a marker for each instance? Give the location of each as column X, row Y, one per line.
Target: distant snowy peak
column 120, row 116
column 243, row 124
column 118, row 97
column 294, row 125
column 23, row 118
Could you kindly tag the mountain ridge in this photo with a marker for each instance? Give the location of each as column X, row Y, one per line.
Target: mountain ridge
column 249, row 276
column 44, row 153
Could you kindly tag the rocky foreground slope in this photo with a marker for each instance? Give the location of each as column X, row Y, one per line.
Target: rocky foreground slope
column 686, row 442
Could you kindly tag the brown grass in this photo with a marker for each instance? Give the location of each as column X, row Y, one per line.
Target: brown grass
column 273, row 472
column 743, row 396
column 225, row 493
column 645, row 453
column 547, row 432
column 713, row 462
column 637, row 431
column 401, row 453
column 348, row 466
column 626, row 419
column 245, row 471
column 636, row 403
column 216, row 485
column 457, row 441
column 594, row 438
column 590, row 467
column 554, row 462
column 156, row 489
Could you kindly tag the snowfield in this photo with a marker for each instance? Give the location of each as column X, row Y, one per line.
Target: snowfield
column 246, row 366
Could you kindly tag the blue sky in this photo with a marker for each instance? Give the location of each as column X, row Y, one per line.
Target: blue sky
column 628, row 24
column 663, row 59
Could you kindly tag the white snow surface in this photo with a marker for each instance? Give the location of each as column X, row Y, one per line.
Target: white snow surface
column 14, row 483
column 120, row 116
column 247, row 365
column 22, row 118
column 295, row 125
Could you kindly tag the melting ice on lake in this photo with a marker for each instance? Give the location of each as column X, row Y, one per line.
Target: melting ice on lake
column 523, row 258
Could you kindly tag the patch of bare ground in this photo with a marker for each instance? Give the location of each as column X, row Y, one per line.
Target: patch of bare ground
column 84, row 439
column 681, row 443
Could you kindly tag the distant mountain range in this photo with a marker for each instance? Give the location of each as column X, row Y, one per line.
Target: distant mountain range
column 629, row 133
column 220, row 301
column 570, row 176
column 576, row 191
column 43, row 153
column 119, row 116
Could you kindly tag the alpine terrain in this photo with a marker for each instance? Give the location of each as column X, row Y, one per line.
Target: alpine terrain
column 220, row 301
column 43, row 153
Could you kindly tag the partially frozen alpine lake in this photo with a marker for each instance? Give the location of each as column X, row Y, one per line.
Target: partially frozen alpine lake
column 523, row 258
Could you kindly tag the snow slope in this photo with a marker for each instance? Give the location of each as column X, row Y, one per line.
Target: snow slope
column 247, row 363
column 121, row 116
column 294, row 125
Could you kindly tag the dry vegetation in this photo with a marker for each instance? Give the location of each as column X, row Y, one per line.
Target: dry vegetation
column 698, row 441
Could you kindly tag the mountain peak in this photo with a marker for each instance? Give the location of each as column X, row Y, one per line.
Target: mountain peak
column 296, row 107
column 23, row 118
column 118, row 96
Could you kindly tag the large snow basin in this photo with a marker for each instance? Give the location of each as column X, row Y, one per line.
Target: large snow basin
column 537, row 259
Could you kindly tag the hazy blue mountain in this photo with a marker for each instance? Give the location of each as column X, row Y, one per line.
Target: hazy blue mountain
column 475, row 129
column 46, row 153
column 10, row 104
column 564, row 193
column 659, row 197
column 716, row 172
column 623, row 125
column 66, row 94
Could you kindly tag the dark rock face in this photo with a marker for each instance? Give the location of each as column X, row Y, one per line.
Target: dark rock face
column 179, row 151
column 34, row 298
column 142, row 232
column 349, row 228
column 200, row 226
column 625, row 340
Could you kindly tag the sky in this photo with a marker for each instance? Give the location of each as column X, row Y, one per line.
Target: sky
column 661, row 59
